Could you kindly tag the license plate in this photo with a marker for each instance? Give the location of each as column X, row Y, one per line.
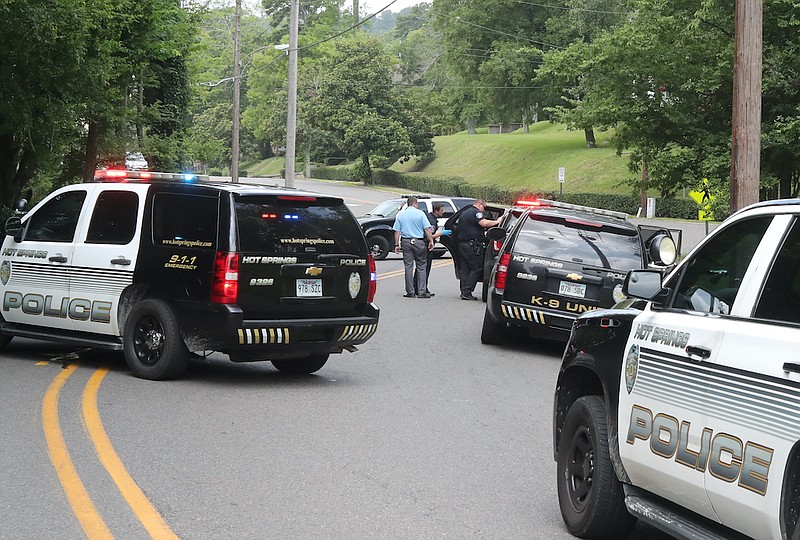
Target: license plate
column 578, row 290
column 309, row 287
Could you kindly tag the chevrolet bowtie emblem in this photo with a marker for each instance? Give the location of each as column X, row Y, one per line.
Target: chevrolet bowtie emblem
column 574, row 277
column 313, row 271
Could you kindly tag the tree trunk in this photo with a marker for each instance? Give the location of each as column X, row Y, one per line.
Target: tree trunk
column 140, row 110
column 525, row 121
column 308, row 161
column 645, row 182
column 367, row 169
column 471, row 127
column 90, row 158
column 590, row 140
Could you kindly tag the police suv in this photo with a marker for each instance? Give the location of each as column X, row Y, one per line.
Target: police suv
column 681, row 406
column 560, row 260
column 159, row 267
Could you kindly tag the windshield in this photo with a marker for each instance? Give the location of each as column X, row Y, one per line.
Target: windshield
column 585, row 245
column 387, row 208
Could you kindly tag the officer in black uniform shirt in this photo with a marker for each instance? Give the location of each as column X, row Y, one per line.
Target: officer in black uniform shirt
column 471, row 225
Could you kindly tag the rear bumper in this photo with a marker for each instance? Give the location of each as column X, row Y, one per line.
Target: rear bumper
column 542, row 322
column 225, row 330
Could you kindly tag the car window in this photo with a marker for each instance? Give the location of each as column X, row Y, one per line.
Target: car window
column 57, row 219
column 114, row 218
column 387, row 208
column 449, row 209
column 578, row 242
column 185, row 220
column 270, row 224
column 711, row 281
column 780, row 297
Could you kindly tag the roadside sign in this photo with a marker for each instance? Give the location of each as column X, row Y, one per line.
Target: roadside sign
column 703, row 198
column 562, row 171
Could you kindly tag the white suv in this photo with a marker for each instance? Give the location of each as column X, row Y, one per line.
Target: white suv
column 681, row 407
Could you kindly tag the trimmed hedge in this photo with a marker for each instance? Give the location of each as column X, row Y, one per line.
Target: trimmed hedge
column 456, row 186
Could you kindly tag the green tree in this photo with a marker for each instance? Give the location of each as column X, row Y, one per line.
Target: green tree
column 357, row 105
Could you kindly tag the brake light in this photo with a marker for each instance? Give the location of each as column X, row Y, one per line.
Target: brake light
column 529, row 203
column 225, row 278
column 373, row 278
column 497, row 245
column 301, row 198
column 501, row 274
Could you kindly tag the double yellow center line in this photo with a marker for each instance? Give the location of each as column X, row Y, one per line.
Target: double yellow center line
column 90, row 519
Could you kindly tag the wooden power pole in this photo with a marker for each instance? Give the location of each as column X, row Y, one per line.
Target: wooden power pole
column 746, row 120
column 237, row 80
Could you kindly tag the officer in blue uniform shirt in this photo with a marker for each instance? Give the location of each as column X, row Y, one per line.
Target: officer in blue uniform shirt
column 412, row 234
column 471, row 225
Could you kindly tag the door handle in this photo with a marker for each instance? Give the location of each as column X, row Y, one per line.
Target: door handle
column 57, row 258
column 702, row 352
column 121, row 260
column 791, row 366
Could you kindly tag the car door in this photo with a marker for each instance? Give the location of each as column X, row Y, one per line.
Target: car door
column 35, row 265
column 754, row 395
column 105, row 256
column 665, row 441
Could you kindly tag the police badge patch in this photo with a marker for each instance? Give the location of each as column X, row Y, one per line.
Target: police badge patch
column 631, row 367
column 5, row 271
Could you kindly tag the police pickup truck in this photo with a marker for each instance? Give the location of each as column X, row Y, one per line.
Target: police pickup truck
column 162, row 266
column 681, row 405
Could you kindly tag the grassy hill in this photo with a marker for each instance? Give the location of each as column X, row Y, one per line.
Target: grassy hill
column 528, row 160
column 514, row 160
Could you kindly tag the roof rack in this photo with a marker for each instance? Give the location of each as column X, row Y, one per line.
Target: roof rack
column 407, row 195
column 544, row 203
column 124, row 175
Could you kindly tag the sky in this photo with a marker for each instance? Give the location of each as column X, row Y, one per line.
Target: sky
column 371, row 6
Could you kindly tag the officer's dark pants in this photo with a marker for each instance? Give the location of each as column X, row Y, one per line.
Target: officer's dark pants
column 470, row 267
column 415, row 254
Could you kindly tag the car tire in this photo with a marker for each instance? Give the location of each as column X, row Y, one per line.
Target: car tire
column 379, row 246
column 154, row 348
column 492, row 332
column 590, row 495
column 436, row 254
column 301, row 366
column 4, row 341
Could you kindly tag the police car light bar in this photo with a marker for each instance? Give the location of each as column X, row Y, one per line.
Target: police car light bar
column 124, row 175
column 558, row 204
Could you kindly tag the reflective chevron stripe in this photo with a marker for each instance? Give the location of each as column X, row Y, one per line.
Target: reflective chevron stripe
column 523, row 314
column 257, row 336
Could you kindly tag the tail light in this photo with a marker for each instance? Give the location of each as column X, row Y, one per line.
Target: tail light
column 373, row 278
column 501, row 274
column 225, row 278
column 497, row 245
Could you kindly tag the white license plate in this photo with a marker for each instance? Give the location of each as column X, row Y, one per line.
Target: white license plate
column 578, row 290
column 309, row 287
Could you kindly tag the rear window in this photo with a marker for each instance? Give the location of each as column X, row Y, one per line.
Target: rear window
column 579, row 243
column 185, row 220
column 270, row 224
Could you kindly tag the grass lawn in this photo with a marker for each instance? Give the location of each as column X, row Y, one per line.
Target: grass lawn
column 529, row 160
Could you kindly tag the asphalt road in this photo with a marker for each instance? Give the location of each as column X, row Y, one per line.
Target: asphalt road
column 422, row 433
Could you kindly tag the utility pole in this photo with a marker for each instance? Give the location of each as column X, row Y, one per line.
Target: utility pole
column 291, row 115
column 236, row 89
column 746, row 120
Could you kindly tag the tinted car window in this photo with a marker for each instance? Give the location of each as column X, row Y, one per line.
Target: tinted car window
column 113, row 218
column 780, row 298
column 710, row 282
column 579, row 242
column 318, row 225
column 185, row 220
column 57, row 220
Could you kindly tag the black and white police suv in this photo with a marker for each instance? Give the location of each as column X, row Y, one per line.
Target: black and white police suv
column 560, row 260
column 160, row 268
column 681, row 406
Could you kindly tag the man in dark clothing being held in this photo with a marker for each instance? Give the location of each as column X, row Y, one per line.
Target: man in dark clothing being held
column 471, row 225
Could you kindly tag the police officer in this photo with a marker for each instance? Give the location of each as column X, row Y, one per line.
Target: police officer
column 471, row 227
column 412, row 235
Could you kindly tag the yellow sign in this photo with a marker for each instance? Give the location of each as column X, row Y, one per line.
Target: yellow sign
column 704, row 198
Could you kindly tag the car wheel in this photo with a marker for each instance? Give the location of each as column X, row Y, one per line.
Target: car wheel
column 301, row 366
column 154, row 348
column 492, row 332
column 379, row 246
column 590, row 495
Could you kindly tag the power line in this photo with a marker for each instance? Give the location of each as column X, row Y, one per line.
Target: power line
column 564, row 8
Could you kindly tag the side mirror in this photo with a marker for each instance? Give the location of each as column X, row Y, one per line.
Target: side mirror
column 14, row 227
column 645, row 284
column 498, row 234
column 662, row 250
